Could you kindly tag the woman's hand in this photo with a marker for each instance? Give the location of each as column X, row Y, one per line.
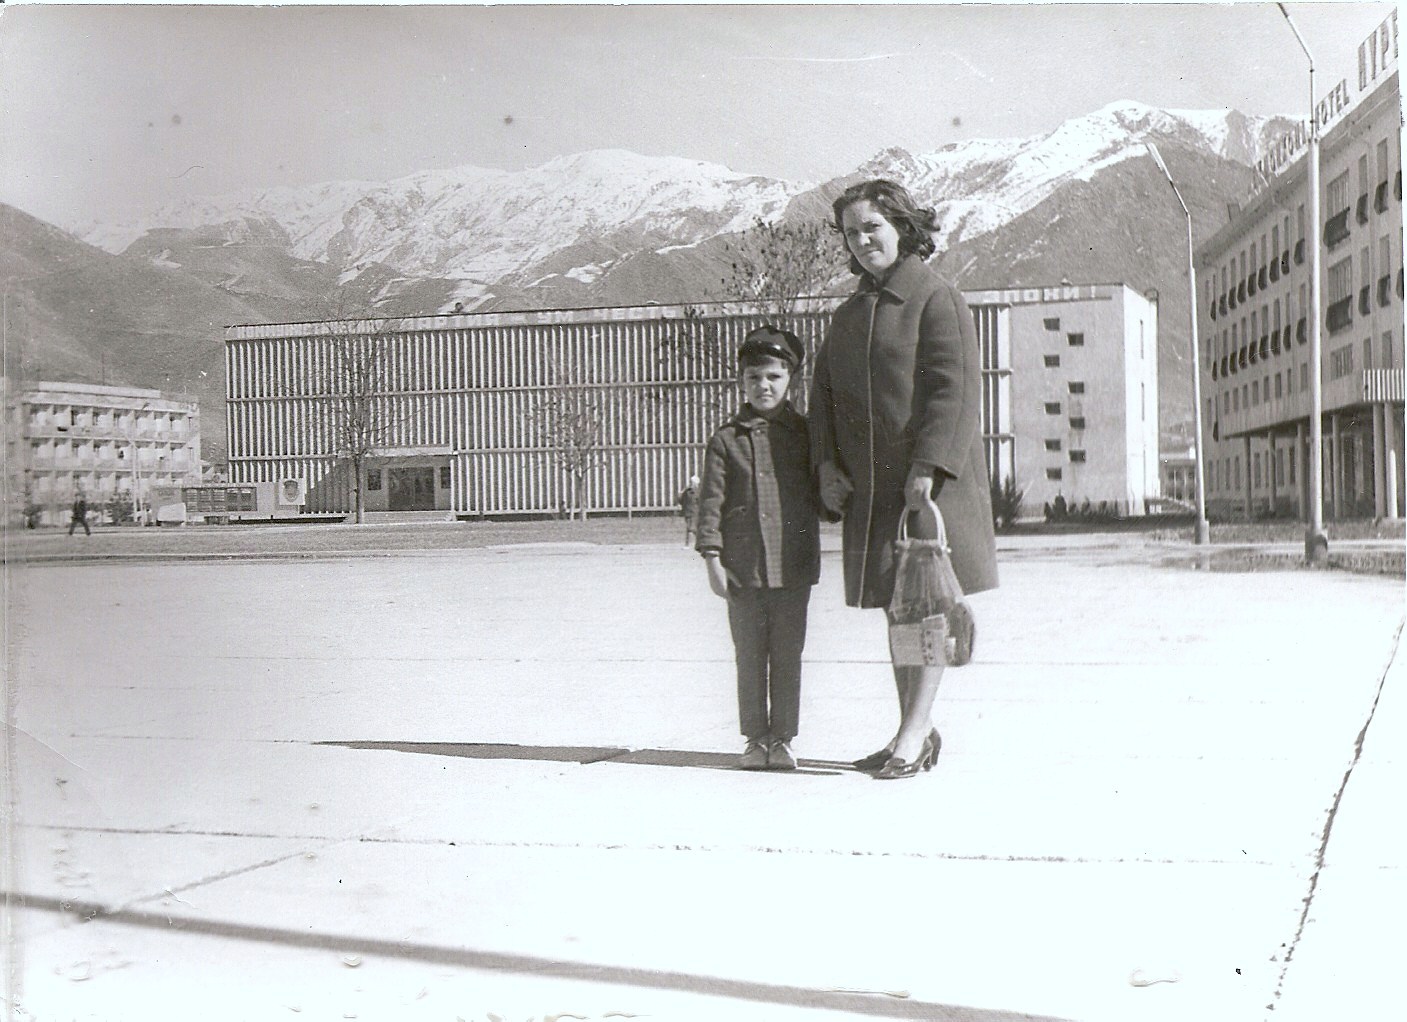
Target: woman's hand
column 921, row 488
column 718, row 578
column 835, row 487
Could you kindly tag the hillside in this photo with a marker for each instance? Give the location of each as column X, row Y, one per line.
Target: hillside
column 1072, row 236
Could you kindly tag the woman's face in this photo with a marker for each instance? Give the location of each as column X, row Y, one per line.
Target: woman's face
column 871, row 239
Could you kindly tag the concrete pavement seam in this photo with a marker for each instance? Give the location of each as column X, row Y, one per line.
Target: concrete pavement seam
column 1328, row 829
column 173, row 892
column 1056, row 860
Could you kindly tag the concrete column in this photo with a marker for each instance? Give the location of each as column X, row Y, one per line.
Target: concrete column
column 1270, row 447
column 1362, row 461
column 1250, row 483
column 1379, row 463
column 1301, row 473
column 1392, row 420
column 1335, row 472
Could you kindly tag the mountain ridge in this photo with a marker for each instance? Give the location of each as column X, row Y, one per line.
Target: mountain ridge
column 609, row 227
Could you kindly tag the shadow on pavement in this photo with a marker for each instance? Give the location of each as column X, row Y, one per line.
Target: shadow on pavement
column 877, row 1004
column 588, row 754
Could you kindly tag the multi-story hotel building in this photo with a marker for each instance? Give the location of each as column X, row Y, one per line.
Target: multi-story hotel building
column 1254, row 308
column 495, row 413
column 61, row 438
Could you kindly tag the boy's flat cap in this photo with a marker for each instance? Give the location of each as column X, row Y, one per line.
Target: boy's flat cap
column 773, row 342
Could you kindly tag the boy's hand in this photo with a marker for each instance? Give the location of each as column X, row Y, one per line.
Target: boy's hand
column 835, row 487
column 717, row 576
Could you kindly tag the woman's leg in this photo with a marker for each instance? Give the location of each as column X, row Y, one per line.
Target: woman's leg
column 903, row 687
column 921, row 686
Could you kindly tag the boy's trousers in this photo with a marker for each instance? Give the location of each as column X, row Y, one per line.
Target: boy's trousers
column 769, row 631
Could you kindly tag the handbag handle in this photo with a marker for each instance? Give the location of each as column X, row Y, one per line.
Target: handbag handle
column 931, row 508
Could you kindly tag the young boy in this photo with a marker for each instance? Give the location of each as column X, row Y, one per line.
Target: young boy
column 759, row 537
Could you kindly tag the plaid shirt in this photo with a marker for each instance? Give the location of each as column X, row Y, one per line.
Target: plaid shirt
column 757, row 501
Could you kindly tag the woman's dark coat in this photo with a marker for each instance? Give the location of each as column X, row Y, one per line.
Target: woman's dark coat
column 898, row 380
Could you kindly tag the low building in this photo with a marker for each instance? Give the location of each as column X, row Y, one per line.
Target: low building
column 608, row 410
column 107, row 442
column 1179, row 477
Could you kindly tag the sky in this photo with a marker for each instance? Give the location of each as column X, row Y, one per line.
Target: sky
column 115, row 109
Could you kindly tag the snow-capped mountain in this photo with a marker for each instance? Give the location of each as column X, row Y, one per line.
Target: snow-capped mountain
column 482, row 225
column 1082, row 202
column 979, row 186
column 576, row 217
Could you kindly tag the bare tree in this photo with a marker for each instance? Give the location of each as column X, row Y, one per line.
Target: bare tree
column 572, row 419
column 354, row 380
column 771, row 269
column 775, row 265
column 699, row 362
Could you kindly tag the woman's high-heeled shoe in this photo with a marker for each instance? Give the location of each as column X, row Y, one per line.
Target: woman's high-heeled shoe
column 933, row 746
column 874, row 760
column 896, row 768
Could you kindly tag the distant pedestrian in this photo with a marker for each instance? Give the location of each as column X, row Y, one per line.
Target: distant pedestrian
column 895, row 423
column 759, row 535
column 688, row 501
column 79, row 515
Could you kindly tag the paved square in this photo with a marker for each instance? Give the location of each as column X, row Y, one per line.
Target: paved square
column 501, row 783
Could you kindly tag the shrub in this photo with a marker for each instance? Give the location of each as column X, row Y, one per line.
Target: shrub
column 1006, row 502
column 119, row 508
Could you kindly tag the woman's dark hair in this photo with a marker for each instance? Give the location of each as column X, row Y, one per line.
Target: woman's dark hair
column 915, row 224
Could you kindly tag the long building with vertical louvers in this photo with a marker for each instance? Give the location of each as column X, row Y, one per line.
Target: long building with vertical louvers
column 536, row 413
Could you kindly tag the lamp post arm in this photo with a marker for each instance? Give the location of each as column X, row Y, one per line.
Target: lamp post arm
column 1299, row 39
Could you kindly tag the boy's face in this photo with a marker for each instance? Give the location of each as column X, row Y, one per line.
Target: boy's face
column 765, row 384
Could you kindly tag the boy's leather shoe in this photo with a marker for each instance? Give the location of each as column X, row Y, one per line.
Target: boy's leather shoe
column 755, row 756
column 779, row 756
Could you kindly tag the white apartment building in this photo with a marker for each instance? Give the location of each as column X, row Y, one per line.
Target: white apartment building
column 1082, row 394
column 105, row 441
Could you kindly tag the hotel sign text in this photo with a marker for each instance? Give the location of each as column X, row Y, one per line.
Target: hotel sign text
column 1377, row 57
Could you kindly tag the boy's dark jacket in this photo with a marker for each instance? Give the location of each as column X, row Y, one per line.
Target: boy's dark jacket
column 757, row 501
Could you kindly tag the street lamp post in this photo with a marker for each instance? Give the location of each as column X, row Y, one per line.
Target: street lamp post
column 1316, row 539
column 130, row 435
column 1203, row 531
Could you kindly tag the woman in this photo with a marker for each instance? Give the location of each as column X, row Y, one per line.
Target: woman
column 895, row 410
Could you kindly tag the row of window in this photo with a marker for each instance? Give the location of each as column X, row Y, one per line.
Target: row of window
column 1054, row 408
column 107, row 451
column 1074, row 340
column 373, row 478
column 1226, row 472
column 1076, row 454
column 1250, row 395
column 94, row 484
column 1262, row 337
column 1269, row 258
column 1342, row 362
column 62, row 414
column 1057, row 474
